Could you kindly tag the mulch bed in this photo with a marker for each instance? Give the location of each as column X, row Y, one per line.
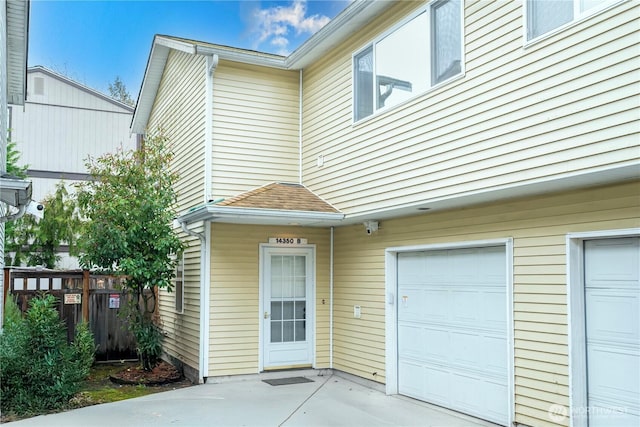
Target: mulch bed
column 163, row 373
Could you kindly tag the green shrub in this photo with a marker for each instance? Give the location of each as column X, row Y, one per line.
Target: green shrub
column 39, row 371
column 149, row 344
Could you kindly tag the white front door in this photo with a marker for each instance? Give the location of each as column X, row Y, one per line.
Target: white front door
column 612, row 315
column 287, row 306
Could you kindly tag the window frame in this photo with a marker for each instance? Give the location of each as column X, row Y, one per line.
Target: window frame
column 578, row 17
column 179, row 296
column 371, row 44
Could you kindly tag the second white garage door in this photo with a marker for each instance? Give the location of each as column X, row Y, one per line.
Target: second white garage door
column 452, row 330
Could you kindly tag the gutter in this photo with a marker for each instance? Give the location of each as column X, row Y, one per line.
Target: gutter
column 212, row 212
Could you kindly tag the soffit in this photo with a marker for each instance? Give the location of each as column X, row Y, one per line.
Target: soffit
column 17, row 42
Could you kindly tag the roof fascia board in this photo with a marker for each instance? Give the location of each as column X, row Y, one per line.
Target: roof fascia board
column 53, row 74
column 356, row 15
column 180, row 45
column 243, row 57
column 149, row 87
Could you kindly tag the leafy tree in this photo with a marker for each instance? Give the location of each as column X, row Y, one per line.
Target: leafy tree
column 13, row 229
column 37, row 242
column 118, row 91
column 129, row 207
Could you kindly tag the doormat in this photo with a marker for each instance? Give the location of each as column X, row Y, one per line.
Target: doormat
column 287, row 381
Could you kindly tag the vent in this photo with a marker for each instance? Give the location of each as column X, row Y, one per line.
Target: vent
column 38, row 85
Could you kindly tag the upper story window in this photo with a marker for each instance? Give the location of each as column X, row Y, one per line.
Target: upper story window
column 544, row 16
column 421, row 52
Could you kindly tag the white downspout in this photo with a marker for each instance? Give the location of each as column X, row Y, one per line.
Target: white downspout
column 300, row 131
column 211, row 64
column 203, row 356
column 331, row 300
column 205, row 249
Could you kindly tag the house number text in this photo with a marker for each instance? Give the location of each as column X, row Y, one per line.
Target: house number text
column 289, row 241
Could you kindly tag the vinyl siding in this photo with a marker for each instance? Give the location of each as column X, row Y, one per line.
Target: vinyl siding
column 235, row 292
column 561, row 107
column 255, row 127
column 182, row 330
column 538, row 226
column 178, row 113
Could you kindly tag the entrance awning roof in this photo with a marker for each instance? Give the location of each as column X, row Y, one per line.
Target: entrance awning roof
column 272, row 204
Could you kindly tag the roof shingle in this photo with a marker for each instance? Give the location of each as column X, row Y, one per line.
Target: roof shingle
column 280, row 196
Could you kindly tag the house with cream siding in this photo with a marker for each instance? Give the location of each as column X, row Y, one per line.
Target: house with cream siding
column 441, row 197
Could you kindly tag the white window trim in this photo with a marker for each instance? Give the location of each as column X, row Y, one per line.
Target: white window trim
column 181, row 290
column 575, row 320
column 422, row 9
column 391, row 312
column 578, row 19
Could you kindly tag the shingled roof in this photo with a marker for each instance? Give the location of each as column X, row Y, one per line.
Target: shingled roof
column 282, row 196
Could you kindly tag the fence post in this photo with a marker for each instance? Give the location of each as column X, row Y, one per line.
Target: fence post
column 7, row 272
column 85, row 295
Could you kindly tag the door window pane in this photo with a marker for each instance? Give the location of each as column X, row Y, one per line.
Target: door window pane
column 276, row 310
column 287, row 331
column 301, row 330
column 276, row 331
column 300, row 310
column 287, row 310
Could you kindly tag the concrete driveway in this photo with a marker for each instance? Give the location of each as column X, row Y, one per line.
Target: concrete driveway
column 330, row 400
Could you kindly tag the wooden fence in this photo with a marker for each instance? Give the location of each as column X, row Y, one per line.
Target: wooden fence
column 81, row 296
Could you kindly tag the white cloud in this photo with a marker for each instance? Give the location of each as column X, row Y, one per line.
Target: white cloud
column 278, row 24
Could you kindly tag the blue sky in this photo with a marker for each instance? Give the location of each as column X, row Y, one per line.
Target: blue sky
column 92, row 42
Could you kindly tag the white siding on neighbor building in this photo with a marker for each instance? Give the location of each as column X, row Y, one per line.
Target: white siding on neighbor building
column 59, row 129
column 178, row 114
column 561, row 107
column 255, row 127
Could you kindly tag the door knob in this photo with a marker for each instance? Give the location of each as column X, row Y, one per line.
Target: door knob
column 266, row 314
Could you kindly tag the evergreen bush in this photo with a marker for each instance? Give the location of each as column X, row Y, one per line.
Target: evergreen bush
column 39, row 371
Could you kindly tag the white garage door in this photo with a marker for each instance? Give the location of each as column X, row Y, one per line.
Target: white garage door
column 612, row 295
column 452, row 330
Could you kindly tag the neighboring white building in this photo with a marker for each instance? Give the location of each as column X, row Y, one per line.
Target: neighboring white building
column 61, row 124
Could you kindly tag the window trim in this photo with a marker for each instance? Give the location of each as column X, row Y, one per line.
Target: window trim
column 179, row 263
column 577, row 19
column 425, row 8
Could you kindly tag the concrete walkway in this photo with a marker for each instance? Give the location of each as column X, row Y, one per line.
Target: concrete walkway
column 330, row 400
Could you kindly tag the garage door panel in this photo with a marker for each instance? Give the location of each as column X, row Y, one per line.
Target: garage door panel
column 610, row 261
column 609, row 372
column 612, row 317
column 454, row 302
